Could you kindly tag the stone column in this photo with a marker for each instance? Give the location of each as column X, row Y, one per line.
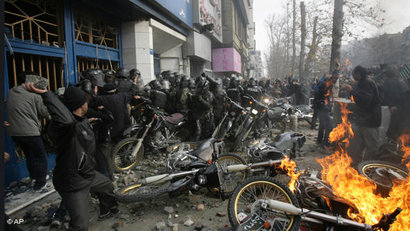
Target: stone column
column 137, row 48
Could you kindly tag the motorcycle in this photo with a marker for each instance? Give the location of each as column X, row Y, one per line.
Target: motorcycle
column 157, row 134
column 235, row 114
column 257, row 111
column 191, row 170
column 285, row 144
column 263, row 203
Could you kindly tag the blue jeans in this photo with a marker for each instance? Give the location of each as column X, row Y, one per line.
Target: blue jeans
column 35, row 154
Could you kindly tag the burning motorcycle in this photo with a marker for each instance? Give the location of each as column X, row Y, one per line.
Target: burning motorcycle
column 391, row 166
column 263, row 203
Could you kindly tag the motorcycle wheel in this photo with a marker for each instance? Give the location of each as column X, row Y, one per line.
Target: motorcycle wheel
column 137, row 192
column 122, row 158
column 382, row 173
column 234, row 178
column 246, row 202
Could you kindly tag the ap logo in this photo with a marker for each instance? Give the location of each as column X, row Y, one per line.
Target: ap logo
column 15, row 221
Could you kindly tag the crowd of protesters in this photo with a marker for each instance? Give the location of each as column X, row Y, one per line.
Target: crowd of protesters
column 87, row 119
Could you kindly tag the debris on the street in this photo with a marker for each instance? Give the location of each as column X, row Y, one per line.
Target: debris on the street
column 189, row 222
column 168, row 209
column 160, row 225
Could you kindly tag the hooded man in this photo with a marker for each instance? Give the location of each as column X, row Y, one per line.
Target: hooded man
column 366, row 117
column 74, row 175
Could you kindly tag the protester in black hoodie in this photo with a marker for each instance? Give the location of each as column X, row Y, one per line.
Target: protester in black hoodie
column 366, row 117
column 74, row 175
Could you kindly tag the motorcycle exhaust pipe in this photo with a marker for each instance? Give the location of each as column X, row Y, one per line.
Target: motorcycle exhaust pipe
column 241, row 167
column 293, row 210
column 166, row 177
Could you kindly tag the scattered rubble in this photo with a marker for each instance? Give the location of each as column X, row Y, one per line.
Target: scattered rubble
column 169, row 210
column 200, row 207
column 189, row 222
column 160, row 225
column 220, row 214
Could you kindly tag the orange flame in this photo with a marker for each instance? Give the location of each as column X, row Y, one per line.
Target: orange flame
column 347, row 183
column 352, row 99
column 343, row 131
column 289, row 166
column 405, row 140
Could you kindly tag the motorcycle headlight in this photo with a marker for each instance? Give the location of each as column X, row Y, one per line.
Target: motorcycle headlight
column 266, row 100
column 254, row 111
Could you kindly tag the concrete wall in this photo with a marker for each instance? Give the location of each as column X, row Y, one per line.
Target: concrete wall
column 227, row 21
column 137, row 47
column 198, row 45
column 172, row 60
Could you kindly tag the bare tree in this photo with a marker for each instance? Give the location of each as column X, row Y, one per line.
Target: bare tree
column 276, row 57
column 302, row 39
column 337, row 34
column 294, row 36
column 312, row 49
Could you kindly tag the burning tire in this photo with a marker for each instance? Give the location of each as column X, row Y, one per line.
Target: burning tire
column 382, row 173
column 246, row 204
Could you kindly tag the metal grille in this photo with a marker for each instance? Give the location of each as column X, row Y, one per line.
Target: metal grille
column 405, row 71
column 34, row 21
column 87, row 63
column 90, row 29
column 48, row 67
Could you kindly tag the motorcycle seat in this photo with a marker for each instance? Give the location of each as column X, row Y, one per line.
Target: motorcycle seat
column 175, row 118
column 204, row 149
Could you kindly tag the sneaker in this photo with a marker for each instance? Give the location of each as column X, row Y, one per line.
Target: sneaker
column 108, row 214
column 55, row 223
column 39, row 186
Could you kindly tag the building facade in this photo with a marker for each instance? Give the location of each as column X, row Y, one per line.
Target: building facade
column 232, row 57
column 58, row 39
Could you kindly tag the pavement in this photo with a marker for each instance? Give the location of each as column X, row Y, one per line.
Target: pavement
column 199, row 211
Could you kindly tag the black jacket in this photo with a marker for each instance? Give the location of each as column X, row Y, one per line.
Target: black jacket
column 117, row 105
column 102, row 127
column 75, row 141
column 367, row 107
column 124, row 85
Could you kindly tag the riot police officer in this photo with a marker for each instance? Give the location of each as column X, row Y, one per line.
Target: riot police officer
column 134, row 73
column 235, row 90
column 202, row 110
column 123, row 82
column 226, row 82
column 253, row 90
column 157, row 95
column 96, row 76
column 220, row 103
column 182, row 95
